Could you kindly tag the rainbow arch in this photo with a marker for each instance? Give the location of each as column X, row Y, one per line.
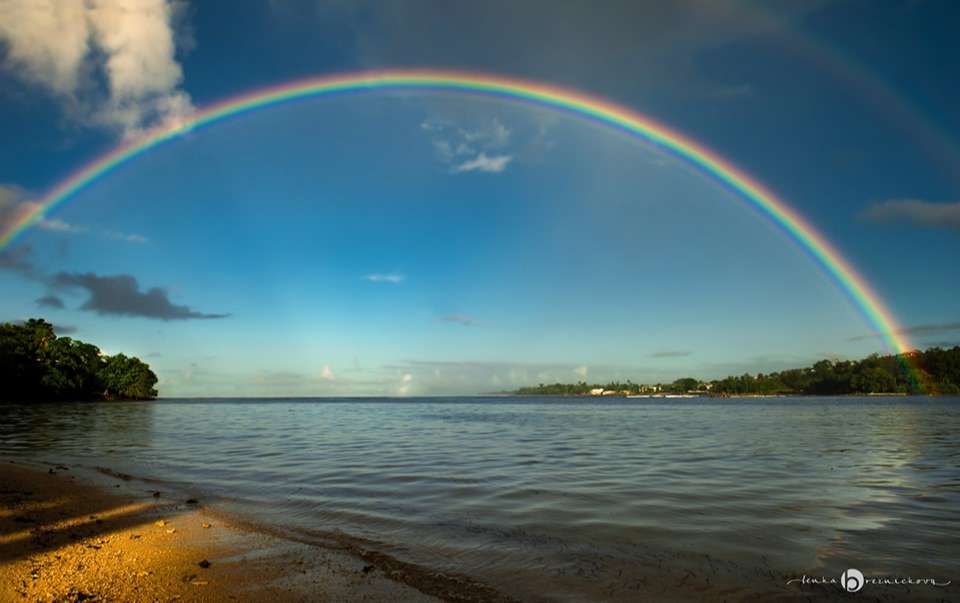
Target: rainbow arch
column 575, row 103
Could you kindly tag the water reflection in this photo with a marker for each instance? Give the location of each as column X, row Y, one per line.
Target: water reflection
column 552, row 497
column 80, row 429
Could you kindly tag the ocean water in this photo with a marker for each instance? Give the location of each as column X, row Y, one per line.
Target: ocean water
column 558, row 498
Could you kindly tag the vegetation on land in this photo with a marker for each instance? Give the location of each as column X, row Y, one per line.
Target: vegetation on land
column 932, row 371
column 35, row 364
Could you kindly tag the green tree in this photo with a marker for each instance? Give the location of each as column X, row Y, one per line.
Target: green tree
column 127, row 378
column 686, row 384
column 35, row 364
column 70, row 369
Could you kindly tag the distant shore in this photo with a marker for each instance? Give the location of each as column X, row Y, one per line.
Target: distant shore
column 708, row 395
column 64, row 538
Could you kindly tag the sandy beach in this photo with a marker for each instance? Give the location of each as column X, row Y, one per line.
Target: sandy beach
column 64, row 538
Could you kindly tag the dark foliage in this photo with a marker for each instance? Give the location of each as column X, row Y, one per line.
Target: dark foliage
column 35, row 364
column 934, row 371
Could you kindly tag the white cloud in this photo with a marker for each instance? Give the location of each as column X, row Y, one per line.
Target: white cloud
column 581, row 371
column 394, row 279
column 483, row 163
column 56, row 224
column 406, row 382
column 126, row 237
column 917, row 212
column 47, row 40
column 470, row 149
column 68, row 46
column 326, row 373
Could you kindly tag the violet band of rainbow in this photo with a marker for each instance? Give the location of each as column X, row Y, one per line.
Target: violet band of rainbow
column 854, row 286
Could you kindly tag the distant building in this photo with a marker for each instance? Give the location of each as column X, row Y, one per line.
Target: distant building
column 597, row 391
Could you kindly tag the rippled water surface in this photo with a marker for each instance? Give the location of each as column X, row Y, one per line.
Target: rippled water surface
column 557, row 498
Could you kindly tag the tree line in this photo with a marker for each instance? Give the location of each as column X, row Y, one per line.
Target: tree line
column 36, row 365
column 933, row 371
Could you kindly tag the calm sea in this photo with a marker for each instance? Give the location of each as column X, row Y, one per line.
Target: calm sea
column 547, row 498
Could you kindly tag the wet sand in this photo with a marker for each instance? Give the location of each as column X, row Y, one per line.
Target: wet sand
column 63, row 538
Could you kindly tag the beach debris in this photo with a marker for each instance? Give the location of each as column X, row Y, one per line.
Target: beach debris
column 204, row 564
column 367, row 569
column 192, row 501
column 51, row 471
column 160, row 523
column 206, row 526
column 156, row 494
column 199, row 583
column 73, row 595
column 134, row 536
column 172, row 531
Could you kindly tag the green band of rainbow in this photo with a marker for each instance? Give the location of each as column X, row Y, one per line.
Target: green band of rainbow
column 576, row 103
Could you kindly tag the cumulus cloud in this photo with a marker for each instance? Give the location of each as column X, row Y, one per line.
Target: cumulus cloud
column 671, row 354
column 326, row 373
column 392, row 278
column 120, row 295
column 916, row 212
column 70, row 46
column 50, row 301
column 406, row 383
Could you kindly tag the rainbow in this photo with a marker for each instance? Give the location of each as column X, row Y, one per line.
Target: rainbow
column 575, row 103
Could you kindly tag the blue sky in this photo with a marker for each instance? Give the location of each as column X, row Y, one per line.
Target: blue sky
column 429, row 243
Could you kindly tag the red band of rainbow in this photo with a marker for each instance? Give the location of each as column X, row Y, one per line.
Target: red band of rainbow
column 575, row 103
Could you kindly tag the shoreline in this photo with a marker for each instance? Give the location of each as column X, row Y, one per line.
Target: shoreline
column 66, row 536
